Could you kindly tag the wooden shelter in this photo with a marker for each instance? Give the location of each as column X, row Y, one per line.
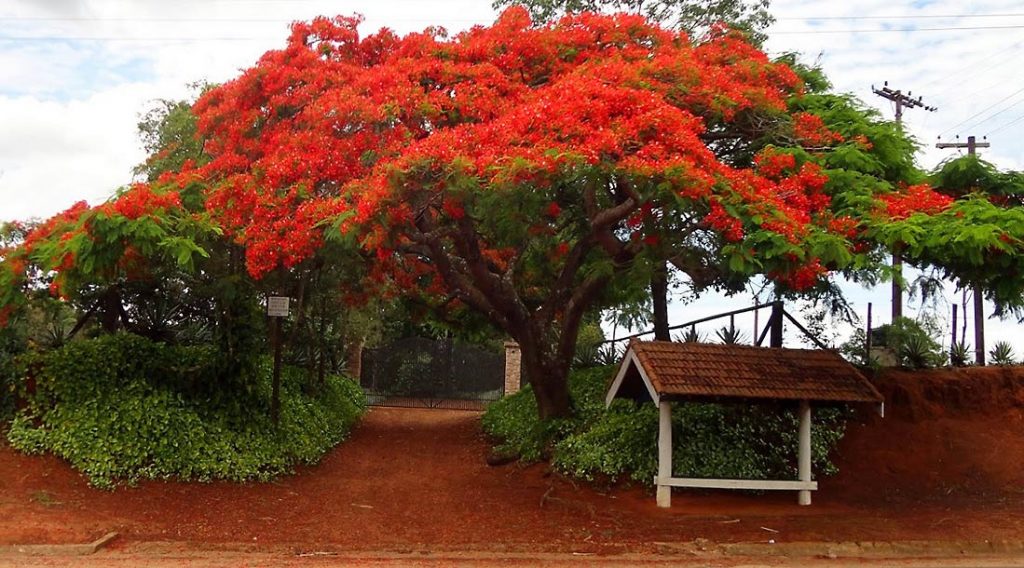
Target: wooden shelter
column 665, row 372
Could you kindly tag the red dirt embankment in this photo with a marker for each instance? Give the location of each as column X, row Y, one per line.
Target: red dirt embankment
column 946, row 463
column 947, row 433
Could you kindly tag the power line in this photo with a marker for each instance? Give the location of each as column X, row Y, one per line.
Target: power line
column 896, row 30
column 902, row 17
column 977, row 124
column 781, row 19
column 239, row 38
column 983, row 111
column 139, row 39
column 194, row 20
column 1005, row 126
column 973, row 66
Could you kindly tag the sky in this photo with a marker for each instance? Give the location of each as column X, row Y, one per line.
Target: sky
column 75, row 76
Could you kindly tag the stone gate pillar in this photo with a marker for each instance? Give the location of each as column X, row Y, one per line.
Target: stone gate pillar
column 513, row 368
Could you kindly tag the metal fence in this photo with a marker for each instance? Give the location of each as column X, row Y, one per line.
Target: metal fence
column 433, row 373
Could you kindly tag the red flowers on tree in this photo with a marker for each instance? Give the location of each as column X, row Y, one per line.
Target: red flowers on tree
column 522, row 171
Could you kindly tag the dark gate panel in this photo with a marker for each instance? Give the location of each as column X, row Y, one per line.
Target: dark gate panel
column 433, row 373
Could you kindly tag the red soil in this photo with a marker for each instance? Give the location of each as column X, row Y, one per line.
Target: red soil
column 946, row 463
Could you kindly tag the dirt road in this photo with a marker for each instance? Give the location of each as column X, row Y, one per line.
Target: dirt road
column 415, row 479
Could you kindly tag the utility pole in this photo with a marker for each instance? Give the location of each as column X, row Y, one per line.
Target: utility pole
column 972, row 146
column 902, row 101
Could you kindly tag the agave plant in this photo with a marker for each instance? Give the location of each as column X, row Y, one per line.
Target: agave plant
column 690, row 336
column 610, row 354
column 587, row 356
column 731, row 336
column 1002, row 354
column 960, row 354
column 916, row 352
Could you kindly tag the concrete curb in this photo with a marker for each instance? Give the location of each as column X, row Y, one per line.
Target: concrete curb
column 63, row 549
column 850, row 549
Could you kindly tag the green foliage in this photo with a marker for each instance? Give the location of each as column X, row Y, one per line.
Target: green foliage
column 910, row 341
column 121, row 408
column 693, row 16
column 620, row 442
column 170, row 136
column 1002, row 354
column 854, row 349
column 731, row 336
column 968, row 174
column 960, row 354
column 691, row 335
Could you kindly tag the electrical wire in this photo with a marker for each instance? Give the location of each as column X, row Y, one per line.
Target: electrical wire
column 902, row 17
column 895, row 30
column 1005, row 126
column 983, row 111
column 973, row 66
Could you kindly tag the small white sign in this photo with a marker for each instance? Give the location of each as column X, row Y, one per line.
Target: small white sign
column 277, row 306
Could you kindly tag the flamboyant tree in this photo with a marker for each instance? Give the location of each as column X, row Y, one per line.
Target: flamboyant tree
column 531, row 174
column 697, row 18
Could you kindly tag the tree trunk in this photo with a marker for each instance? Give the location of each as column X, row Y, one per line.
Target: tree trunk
column 110, row 314
column 549, row 381
column 354, row 358
column 659, row 297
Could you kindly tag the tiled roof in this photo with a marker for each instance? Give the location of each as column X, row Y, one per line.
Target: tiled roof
column 714, row 370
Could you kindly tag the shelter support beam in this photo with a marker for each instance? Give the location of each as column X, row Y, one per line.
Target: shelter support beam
column 664, row 453
column 804, row 456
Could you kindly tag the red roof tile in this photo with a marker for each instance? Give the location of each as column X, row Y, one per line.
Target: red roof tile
column 712, row 370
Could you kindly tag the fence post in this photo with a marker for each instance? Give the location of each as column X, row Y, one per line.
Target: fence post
column 775, row 339
column 513, row 367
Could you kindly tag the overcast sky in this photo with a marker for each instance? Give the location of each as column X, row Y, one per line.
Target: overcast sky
column 76, row 75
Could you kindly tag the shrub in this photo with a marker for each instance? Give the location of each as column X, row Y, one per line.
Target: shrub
column 731, row 336
column 121, row 408
column 691, row 335
column 1002, row 354
column 710, row 440
column 911, row 342
column 960, row 354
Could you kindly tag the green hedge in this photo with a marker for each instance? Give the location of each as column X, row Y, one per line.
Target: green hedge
column 121, row 408
column 710, row 440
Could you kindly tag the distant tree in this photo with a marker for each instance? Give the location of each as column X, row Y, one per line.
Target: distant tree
column 696, row 17
column 967, row 176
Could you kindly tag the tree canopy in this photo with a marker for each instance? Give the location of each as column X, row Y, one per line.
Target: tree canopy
column 527, row 173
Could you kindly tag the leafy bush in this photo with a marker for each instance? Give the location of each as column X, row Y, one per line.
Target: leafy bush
column 620, row 442
column 121, row 408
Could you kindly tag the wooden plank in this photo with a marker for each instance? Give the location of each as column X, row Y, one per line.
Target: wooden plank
column 765, row 484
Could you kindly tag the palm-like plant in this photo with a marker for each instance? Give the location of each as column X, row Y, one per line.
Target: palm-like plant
column 731, row 336
column 960, row 354
column 1002, row 354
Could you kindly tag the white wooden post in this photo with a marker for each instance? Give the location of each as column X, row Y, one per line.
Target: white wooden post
column 664, row 453
column 804, row 457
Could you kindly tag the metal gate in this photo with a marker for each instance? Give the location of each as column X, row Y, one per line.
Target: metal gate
column 434, row 373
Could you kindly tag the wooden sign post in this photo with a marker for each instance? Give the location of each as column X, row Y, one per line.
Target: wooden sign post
column 277, row 309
